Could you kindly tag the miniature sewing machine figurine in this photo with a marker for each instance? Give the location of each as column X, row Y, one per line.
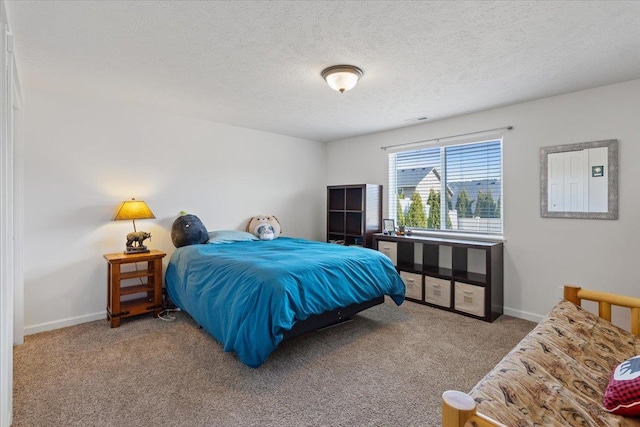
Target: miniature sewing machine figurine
column 135, row 209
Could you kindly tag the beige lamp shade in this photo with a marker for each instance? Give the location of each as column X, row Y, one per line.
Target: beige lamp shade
column 133, row 209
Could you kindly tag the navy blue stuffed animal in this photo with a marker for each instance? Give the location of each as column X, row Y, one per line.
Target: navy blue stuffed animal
column 188, row 230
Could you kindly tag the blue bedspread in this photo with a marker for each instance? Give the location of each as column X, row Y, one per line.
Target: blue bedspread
column 246, row 294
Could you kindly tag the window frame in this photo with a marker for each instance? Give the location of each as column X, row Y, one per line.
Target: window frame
column 443, row 231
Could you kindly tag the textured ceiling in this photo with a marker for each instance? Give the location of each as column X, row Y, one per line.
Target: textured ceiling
column 257, row 64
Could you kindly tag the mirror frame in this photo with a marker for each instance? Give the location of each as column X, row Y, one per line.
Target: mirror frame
column 612, row 182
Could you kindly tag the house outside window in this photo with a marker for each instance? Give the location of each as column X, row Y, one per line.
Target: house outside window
column 452, row 188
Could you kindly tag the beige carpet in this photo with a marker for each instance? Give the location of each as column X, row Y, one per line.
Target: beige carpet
column 388, row 367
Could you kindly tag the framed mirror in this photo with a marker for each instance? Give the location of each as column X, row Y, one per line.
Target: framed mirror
column 579, row 180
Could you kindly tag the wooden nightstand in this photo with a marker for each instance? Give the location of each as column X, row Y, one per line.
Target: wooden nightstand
column 152, row 302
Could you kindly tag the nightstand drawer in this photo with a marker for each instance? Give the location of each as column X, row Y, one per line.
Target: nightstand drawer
column 437, row 291
column 469, row 298
column 412, row 284
column 390, row 249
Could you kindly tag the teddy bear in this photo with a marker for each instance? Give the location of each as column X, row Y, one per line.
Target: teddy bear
column 264, row 227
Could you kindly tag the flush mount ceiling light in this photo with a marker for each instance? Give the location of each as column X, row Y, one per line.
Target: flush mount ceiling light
column 342, row 77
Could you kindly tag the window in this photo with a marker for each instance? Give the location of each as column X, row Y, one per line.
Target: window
column 461, row 183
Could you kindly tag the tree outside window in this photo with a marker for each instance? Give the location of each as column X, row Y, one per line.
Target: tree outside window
column 486, row 207
column 433, row 220
column 463, row 205
column 415, row 215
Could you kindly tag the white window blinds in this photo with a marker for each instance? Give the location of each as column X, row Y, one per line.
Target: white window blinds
column 457, row 187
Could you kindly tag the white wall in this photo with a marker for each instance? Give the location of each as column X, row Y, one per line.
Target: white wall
column 541, row 254
column 83, row 157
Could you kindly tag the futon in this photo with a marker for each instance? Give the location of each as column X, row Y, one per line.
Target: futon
column 565, row 372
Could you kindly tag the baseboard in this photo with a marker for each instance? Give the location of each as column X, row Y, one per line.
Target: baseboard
column 71, row 321
column 63, row 323
column 523, row 315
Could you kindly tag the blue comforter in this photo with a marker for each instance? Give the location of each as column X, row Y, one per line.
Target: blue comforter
column 247, row 293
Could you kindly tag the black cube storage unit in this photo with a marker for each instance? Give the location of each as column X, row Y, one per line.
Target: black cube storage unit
column 462, row 276
column 354, row 213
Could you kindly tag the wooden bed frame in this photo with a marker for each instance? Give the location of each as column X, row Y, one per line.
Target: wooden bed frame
column 459, row 409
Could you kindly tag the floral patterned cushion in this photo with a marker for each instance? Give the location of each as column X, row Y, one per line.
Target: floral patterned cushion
column 556, row 376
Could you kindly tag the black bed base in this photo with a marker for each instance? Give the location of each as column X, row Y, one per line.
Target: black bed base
column 329, row 318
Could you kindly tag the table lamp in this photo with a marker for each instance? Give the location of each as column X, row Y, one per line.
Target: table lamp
column 134, row 209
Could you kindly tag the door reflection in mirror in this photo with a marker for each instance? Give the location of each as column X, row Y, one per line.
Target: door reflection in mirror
column 579, row 180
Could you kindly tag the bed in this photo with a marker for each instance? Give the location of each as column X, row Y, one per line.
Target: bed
column 565, row 372
column 251, row 295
